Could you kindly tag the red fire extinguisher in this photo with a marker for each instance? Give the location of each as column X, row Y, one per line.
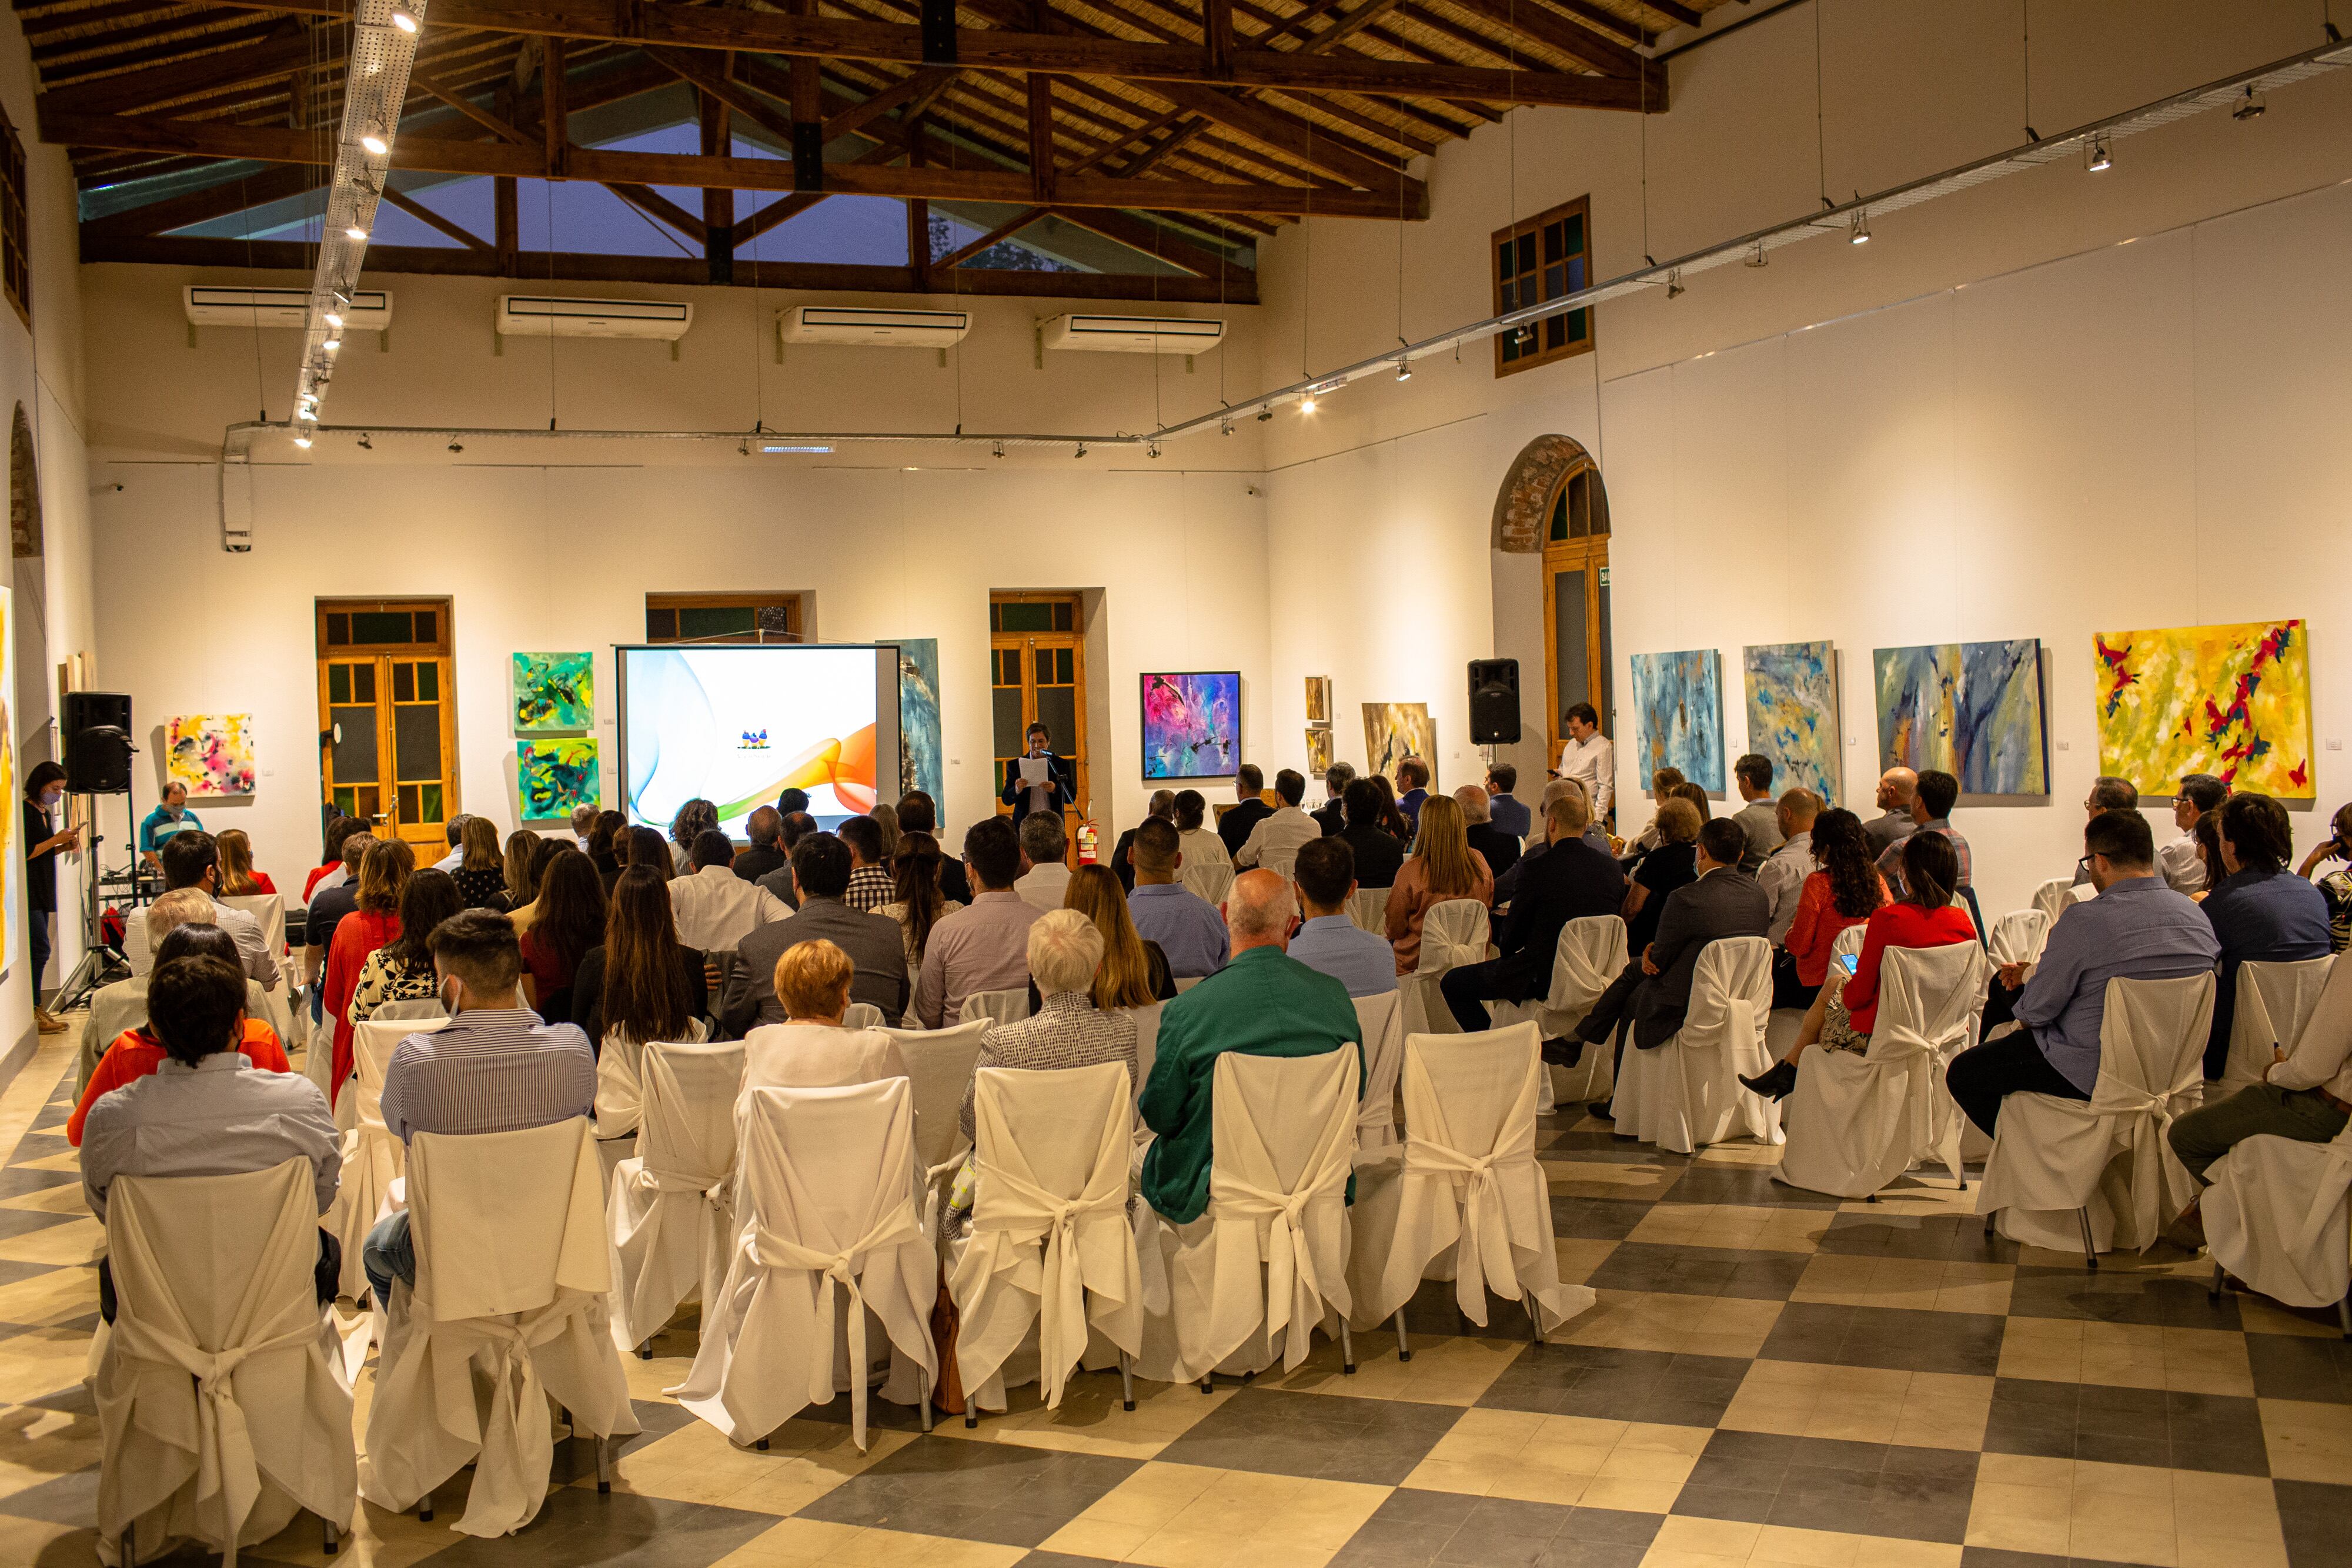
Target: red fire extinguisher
column 1089, row 842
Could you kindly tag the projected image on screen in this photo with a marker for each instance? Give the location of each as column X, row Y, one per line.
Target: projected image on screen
column 736, row 727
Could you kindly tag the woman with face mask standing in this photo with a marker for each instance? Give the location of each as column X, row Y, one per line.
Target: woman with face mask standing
column 44, row 786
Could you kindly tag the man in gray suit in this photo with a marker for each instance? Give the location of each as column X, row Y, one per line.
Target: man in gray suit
column 820, row 872
column 1653, row 991
column 1896, row 785
column 1759, row 818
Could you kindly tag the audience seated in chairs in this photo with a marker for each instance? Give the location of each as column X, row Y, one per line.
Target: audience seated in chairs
column 1332, row 814
column 1499, row 849
column 714, row 908
column 1844, row 891
column 1161, row 805
column 1662, row 785
column 1506, row 886
column 2108, row 793
column 518, row 869
column 1045, row 851
column 918, row 901
column 328, row 906
column 694, row 818
column 2200, row 795
column 376, row 920
column 640, row 980
column 1441, row 866
column 1413, row 790
column 1509, row 813
column 334, row 873
column 1653, row 992
column 1134, row 972
column 764, row 856
column 985, row 946
column 1571, row 881
column 1273, row 842
column 808, row 1046
column 481, row 874
column 493, row 1067
column 1390, row 820
column 1896, row 788
column 1379, row 852
column 192, row 860
column 237, row 877
column 1759, row 818
column 918, row 813
column 1671, row 864
column 1327, row 939
column 605, row 844
column 402, row 970
column 821, row 870
column 1068, row 1029
column 2260, row 910
column 1166, row 911
column 1845, row 1010
column 207, row 1110
column 1265, row 1003
column 118, row 1008
column 2334, row 886
column 1235, row 827
column 571, row 913
column 2136, row 929
column 135, row 1052
column 795, row 826
column 1931, row 812
column 1207, row 864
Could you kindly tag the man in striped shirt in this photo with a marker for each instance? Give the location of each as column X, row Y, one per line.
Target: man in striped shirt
column 493, row 1067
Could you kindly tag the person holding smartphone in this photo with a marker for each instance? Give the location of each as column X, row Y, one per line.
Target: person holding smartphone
column 1037, row 780
column 2337, row 884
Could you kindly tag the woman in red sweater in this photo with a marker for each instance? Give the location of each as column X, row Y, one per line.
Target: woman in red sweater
column 1844, row 1015
column 1844, row 892
column 383, row 877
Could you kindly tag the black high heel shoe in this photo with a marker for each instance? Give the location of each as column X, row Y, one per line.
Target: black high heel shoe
column 1774, row 1082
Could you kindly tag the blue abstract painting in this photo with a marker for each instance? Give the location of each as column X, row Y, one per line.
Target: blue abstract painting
column 1970, row 710
column 1192, row 725
column 1792, row 714
column 920, row 747
column 1678, row 714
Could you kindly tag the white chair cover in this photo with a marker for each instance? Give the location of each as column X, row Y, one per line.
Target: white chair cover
column 2277, row 1216
column 1368, row 907
column 410, row 1010
column 267, row 908
column 863, row 1015
column 2053, row 1156
column 514, row 1273
column 1050, row 1255
column 1210, row 880
column 671, row 1211
column 1186, row 982
column 373, row 1156
column 939, row 1063
column 138, row 947
column 1687, row 1091
column 1590, row 954
column 620, row 1092
column 221, row 1398
column 1147, row 1047
column 2018, row 936
column 2275, row 1001
column 997, row 1007
column 1855, row 1121
column 829, row 1186
column 1381, row 1018
column 2053, row 897
column 1266, row 1261
column 1467, row 1202
column 1452, row 934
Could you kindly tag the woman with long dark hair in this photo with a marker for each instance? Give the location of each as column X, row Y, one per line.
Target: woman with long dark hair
column 402, row 970
column 1846, row 890
column 44, row 786
column 599, row 841
column 384, row 878
column 919, row 902
column 1846, row 1009
column 572, row 916
column 640, row 981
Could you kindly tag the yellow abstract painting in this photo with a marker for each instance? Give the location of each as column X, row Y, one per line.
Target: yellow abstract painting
column 1394, row 731
column 2231, row 701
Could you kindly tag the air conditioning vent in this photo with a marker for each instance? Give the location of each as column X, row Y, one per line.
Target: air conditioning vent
column 540, row 316
column 873, row 328
column 1135, row 334
column 369, row 311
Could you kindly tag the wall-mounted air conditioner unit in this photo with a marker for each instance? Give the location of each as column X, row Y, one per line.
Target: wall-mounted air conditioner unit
column 369, row 311
column 545, row 315
column 1134, row 334
column 873, row 328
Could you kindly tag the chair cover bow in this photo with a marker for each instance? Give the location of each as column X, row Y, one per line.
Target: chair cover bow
column 770, row 1251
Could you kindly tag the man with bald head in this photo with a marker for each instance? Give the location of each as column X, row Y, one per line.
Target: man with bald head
column 1896, row 788
column 1263, row 1002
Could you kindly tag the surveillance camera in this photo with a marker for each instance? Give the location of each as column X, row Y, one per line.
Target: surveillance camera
column 118, row 487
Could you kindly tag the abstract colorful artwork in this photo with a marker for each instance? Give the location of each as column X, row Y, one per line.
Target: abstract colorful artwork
column 1319, row 700
column 920, row 747
column 1394, row 731
column 1191, row 725
column 2231, row 701
column 554, row 692
column 1318, row 752
column 1678, row 714
column 1792, row 714
column 552, row 777
column 1970, row 710
column 211, row 753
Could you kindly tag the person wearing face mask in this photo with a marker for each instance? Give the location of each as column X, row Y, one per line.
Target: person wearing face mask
column 44, row 786
column 1055, row 789
column 493, row 1067
column 163, row 823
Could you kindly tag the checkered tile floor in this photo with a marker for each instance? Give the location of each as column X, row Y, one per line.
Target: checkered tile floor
column 1769, row 1377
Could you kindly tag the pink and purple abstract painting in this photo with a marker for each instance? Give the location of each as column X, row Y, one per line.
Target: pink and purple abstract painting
column 1192, row 725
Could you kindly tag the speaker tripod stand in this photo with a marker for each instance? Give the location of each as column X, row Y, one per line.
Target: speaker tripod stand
column 100, row 964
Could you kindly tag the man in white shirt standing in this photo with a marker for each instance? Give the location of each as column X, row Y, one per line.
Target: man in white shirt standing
column 1274, row 844
column 2176, row 862
column 1047, row 883
column 714, row 908
column 1590, row 758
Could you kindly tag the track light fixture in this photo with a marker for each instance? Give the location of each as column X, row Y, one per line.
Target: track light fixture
column 332, row 344
column 1152, row 451
column 2096, row 157
column 1758, row 258
column 1224, row 428
column 1404, row 370
column 1081, row 452
column 1675, row 289
column 1307, row 403
column 2251, row 107
column 1859, row 232
column 744, row 447
column 374, row 139
column 404, row 19
column 365, row 444
column 302, row 437
column 455, row 444
column 354, row 232
column 1264, row 413
column 334, row 320
column 997, row 450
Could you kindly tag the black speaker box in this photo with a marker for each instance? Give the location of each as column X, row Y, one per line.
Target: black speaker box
column 1494, row 701
column 97, row 726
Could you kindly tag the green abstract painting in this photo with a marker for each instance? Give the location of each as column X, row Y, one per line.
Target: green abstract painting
column 555, row 693
column 553, row 776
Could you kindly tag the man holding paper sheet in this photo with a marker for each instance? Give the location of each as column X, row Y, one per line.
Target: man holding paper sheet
column 1038, row 780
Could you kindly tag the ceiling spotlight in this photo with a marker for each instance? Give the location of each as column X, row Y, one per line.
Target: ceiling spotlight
column 1307, row 403
column 404, row 19
column 1404, row 370
column 996, row 449
column 334, row 320
column 1152, row 451
column 1756, row 256
column 2252, row 108
column 365, row 444
column 1264, row 413
column 1859, row 234
column 744, row 447
column 1224, row 428
column 302, row 439
column 374, row 141
column 1081, row 452
column 2095, row 157
column 1675, row 289
column 332, row 344
column 354, row 232
column 455, row 444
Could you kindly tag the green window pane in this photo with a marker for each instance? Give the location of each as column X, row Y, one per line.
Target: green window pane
column 338, row 683
column 661, row 625
column 1575, row 325
column 354, row 745
column 1063, row 612
column 1575, row 225
column 1027, row 617
column 996, row 616
column 1057, row 710
column 347, row 799
column 1569, row 640
column 429, row 811
column 1064, row 665
column 1045, row 666
column 736, row 621
column 1560, row 517
column 1503, row 262
column 428, row 682
column 380, row 626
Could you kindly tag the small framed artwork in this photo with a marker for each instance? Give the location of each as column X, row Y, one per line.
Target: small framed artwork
column 1318, row 752
column 1192, row 725
column 1318, row 701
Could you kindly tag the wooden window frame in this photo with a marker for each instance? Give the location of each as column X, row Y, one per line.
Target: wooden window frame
column 794, row 601
column 1588, row 553
column 1580, row 209
column 16, row 223
column 440, row 650
column 1027, row 643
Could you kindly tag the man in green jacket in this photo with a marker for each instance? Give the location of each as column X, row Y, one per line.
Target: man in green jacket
column 1265, row 1002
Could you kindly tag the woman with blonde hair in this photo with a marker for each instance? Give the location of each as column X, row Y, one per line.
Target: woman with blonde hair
column 1134, row 972
column 237, row 877
column 1673, row 865
column 383, row 880
column 813, row 1049
column 481, row 875
column 1441, row 866
column 1663, row 784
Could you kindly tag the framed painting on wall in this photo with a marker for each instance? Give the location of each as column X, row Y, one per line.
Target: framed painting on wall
column 2231, row 701
column 1394, row 731
column 1319, row 751
column 1192, row 725
column 211, row 753
column 1792, row 714
column 555, row 693
column 920, row 757
column 1970, row 710
column 1678, row 716
column 553, row 776
column 1318, row 701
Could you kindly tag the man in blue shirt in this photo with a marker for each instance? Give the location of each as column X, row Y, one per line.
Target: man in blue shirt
column 2261, row 911
column 2136, row 929
column 1188, row 930
column 165, row 822
column 1325, row 875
